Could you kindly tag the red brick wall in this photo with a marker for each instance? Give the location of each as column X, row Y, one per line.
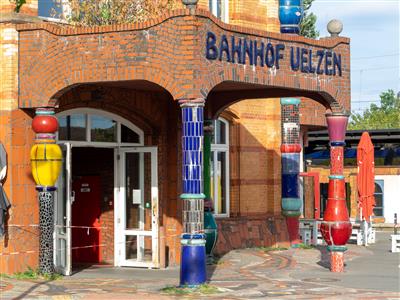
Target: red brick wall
column 124, row 52
column 19, row 245
column 54, row 60
column 251, row 231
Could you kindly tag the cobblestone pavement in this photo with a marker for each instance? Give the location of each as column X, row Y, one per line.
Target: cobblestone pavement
column 241, row 274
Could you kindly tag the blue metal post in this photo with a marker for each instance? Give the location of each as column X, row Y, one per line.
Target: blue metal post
column 193, row 251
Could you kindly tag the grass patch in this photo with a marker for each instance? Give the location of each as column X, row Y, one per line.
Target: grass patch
column 305, row 246
column 268, row 249
column 204, row 289
column 33, row 274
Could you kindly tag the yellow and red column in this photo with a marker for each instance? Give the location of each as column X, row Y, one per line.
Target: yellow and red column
column 290, row 150
column 46, row 162
column 336, row 226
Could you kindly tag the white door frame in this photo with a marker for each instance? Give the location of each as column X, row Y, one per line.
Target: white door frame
column 62, row 256
column 120, row 211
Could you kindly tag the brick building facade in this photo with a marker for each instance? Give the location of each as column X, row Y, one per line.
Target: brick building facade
column 137, row 72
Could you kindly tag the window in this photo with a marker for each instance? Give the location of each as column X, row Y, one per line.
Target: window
column 378, row 209
column 91, row 125
column 102, row 129
column 220, row 9
column 220, row 168
column 54, row 10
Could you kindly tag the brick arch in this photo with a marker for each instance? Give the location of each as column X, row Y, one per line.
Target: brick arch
column 169, row 51
column 142, row 108
column 219, row 99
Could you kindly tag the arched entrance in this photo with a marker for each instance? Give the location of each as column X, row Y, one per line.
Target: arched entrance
column 184, row 68
column 106, row 209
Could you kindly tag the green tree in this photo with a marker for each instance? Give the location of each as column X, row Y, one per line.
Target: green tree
column 108, row 12
column 18, row 4
column 385, row 116
column 307, row 25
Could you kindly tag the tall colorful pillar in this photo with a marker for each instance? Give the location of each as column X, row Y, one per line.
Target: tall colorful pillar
column 290, row 150
column 193, row 252
column 336, row 226
column 46, row 162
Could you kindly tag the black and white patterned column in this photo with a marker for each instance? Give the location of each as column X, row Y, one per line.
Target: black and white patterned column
column 46, row 226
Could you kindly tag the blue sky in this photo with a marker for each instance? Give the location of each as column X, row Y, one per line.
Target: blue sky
column 374, row 29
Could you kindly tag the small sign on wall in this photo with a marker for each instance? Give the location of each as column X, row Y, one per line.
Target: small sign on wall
column 85, row 188
column 136, row 196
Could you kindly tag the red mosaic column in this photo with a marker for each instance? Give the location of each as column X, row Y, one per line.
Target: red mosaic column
column 336, row 227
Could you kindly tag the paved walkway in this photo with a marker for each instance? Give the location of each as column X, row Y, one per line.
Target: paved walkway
column 371, row 273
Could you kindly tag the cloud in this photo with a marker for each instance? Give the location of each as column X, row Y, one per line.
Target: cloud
column 355, row 8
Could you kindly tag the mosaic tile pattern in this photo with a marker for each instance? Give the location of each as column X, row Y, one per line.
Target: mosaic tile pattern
column 290, row 156
column 193, row 215
column 192, row 145
column 192, row 166
column 46, row 224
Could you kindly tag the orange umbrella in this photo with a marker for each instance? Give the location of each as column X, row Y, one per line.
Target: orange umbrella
column 365, row 176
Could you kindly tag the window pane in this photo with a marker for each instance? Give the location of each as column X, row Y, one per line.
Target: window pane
column 133, row 196
column 72, row 128
column 378, row 188
column 128, row 135
column 212, row 181
column 215, row 7
column 145, row 248
column 378, row 212
column 131, row 247
column 378, row 200
column 220, row 132
column 103, row 129
column 62, row 128
column 221, row 182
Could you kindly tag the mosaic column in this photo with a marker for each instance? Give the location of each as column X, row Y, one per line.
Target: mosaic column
column 290, row 150
column 336, row 227
column 193, row 252
column 46, row 161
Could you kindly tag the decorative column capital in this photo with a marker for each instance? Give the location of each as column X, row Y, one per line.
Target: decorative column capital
column 290, row 101
column 337, row 124
column 191, row 102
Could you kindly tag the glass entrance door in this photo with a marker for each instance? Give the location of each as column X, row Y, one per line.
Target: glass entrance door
column 136, row 239
column 62, row 213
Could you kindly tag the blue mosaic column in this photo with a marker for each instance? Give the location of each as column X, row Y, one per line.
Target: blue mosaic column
column 193, row 250
column 290, row 150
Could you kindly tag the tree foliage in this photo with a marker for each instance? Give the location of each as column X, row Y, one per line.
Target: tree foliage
column 18, row 4
column 108, row 12
column 307, row 25
column 385, row 116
